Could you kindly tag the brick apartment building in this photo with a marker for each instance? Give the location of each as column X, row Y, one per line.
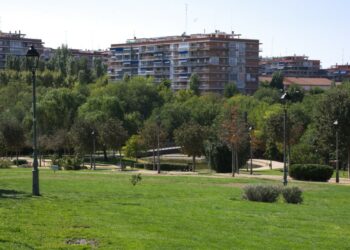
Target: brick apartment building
column 292, row 66
column 217, row 58
column 16, row 44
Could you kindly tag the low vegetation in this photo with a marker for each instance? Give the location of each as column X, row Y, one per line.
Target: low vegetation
column 311, row 172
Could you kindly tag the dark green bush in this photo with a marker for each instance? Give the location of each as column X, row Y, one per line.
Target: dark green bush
column 262, row 193
column 164, row 166
column 70, row 163
column 292, row 195
column 5, row 164
column 20, row 162
column 310, row 172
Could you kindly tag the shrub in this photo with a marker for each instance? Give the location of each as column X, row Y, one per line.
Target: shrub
column 70, row 163
column 292, row 195
column 311, row 172
column 262, row 193
column 5, row 164
column 164, row 166
column 136, row 178
column 20, row 162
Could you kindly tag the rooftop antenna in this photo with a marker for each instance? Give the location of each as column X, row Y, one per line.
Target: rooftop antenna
column 342, row 57
column 186, row 17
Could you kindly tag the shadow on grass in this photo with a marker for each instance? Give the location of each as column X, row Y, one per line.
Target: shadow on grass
column 13, row 194
column 7, row 244
column 128, row 204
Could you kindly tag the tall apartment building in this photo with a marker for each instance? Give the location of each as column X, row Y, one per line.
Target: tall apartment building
column 217, row 58
column 293, row 66
column 16, row 44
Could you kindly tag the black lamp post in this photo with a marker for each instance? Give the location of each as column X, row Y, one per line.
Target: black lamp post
column 336, row 151
column 93, row 149
column 284, row 98
column 251, row 149
column 34, row 54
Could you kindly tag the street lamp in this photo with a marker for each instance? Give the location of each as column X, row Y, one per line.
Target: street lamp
column 284, row 98
column 251, row 149
column 158, row 131
column 34, row 54
column 335, row 123
column 93, row 149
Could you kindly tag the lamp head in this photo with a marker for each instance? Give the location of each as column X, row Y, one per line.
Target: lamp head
column 32, row 52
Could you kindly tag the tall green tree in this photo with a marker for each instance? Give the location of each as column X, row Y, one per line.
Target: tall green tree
column 277, row 80
column 191, row 138
column 195, row 84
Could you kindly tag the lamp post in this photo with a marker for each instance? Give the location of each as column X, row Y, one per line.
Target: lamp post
column 251, row 149
column 336, row 151
column 284, row 98
column 93, row 149
column 158, row 143
column 34, row 54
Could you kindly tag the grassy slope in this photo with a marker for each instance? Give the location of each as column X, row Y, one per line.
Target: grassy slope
column 165, row 213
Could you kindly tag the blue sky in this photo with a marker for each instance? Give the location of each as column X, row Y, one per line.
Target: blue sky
column 319, row 29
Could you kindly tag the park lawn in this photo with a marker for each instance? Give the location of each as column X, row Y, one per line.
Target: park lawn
column 164, row 212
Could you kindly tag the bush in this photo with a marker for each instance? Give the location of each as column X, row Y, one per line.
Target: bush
column 262, row 193
column 292, row 195
column 5, row 164
column 164, row 166
column 136, row 178
column 20, row 162
column 311, row 172
column 70, row 163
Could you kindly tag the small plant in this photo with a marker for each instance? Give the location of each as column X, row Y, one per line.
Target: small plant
column 135, row 178
column 5, row 164
column 262, row 193
column 292, row 195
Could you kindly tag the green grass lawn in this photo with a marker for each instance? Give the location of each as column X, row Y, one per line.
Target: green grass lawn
column 164, row 212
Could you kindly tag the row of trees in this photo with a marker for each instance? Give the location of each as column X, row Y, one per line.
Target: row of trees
column 135, row 112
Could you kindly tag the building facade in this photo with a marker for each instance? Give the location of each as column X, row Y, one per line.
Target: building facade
column 293, row 66
column 16, row 44
column 339, row 73
column 217, row 59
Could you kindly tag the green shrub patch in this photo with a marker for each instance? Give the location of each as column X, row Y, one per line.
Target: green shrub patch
column 311, row 172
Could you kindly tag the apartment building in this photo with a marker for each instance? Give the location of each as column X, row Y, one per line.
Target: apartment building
column 16, row 44
column 293, row 66
column 339, row 73
column 217, row 58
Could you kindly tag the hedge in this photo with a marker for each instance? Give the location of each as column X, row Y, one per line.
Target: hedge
column 311, row 172
column 164, row 166
column 20, row 162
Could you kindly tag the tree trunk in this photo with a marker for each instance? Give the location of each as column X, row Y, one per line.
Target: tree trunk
column 349, row 162
column 105, row 158
column 233, row 161
column 194, row 163
column 90, row 160
column 237, row 165
column 271, row 164
column 120, row 160
column 40, row 158
column 154, row 159
column 17, row 158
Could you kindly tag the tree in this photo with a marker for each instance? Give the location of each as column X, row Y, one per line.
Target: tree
column 13, row 135
column 233, row 133
column 230, row 90
column 277, row 80
column 195, row 84
column 133, row 147
column 334, row 105
column 191, row 137
column 269, row 95
column 150, row 134
column 82, row 137
column 112, row 135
